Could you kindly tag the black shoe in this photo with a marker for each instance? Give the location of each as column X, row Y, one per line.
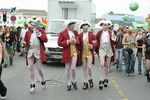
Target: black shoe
column 68, row 87
column 21, row 54
column 74, row 84
column 3, row 90
column 85, row 86
column 43, row 83
column 148, row 76
column 105, row 82
column 5, row 65
column 91, row 83
column 101, row 83
column 140, row 72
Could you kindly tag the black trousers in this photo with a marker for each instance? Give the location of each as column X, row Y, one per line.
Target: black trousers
column 3, row 89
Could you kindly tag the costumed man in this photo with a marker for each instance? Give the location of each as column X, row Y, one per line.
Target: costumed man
column 87, row 45
column 33, row 42
column 69, row 39
column 105, row 40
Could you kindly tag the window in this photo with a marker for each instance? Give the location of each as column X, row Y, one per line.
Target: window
column 65, row 13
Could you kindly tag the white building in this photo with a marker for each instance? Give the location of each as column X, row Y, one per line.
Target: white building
column 72, row 9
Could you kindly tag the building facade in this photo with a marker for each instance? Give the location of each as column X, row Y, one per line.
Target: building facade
column 117, row 18
column 72, row 9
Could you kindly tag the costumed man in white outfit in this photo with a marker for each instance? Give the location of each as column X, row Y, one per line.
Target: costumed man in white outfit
column 33, row 42
column 105, row 39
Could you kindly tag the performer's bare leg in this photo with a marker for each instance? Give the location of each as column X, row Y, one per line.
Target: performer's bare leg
column 73, row 67
column 85, row 74
column 108, row 60
column 89, row 66
column 40, row 68
column 31, row 69
column 67, row 71
column 101, row 67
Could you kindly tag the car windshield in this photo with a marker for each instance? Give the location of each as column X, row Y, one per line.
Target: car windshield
column 56, row 27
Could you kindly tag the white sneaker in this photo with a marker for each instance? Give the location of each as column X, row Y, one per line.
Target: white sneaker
column 2, row 98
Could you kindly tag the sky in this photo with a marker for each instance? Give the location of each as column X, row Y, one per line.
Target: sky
column 102, row 6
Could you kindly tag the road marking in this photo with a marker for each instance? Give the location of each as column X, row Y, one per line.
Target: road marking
column 118, row 88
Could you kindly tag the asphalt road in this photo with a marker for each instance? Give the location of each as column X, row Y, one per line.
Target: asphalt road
column 121, row 87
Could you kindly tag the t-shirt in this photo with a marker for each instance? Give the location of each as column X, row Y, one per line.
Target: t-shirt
column 140, row 43
column 119, row 44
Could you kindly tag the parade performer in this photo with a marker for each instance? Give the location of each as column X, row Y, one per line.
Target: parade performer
column 105, row 40
column 69, row 39
column 33, row 43
column 87, row 45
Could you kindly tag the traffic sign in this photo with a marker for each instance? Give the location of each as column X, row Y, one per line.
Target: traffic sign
column 13, row 18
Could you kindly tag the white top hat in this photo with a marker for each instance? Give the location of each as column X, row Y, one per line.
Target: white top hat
column 84, row 23
column 102, row 22
column 109, row 22
column 68, row 22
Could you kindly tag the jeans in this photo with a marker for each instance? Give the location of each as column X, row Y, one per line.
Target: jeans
column 140, row 62
column 139, row 56
column 129, row 62
column 118, row 57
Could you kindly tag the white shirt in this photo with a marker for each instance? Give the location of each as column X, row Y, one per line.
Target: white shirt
column 34, row 49
column 71, row 34
column 105, row 38
column 34, row 40
column 85, row 36
column 23, row 32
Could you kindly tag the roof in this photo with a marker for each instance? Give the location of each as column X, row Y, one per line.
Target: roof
column 32, row 12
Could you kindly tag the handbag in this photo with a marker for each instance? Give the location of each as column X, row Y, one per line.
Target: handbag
column 129, row 50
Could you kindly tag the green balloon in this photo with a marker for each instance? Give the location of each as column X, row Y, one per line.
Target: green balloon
column 133, row 6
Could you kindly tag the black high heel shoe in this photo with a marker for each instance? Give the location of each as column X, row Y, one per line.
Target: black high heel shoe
column 101, row 83
column 43, row 83
column 74, row 84
column 91, row 83
column 105, row 82
column 85, row 85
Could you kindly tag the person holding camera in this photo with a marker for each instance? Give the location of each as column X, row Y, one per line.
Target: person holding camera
column 129, row 42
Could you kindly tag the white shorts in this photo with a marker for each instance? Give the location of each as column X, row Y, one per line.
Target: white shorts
column 105, row 50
